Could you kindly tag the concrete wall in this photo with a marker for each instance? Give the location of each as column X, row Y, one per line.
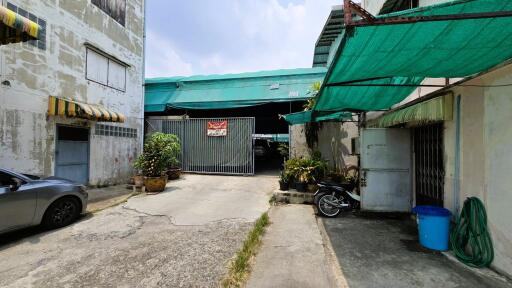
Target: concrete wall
column 431, row 2
column 27, row 135
column 298, row 145
column 485, row 157
column 334, row 142
column 374, row 6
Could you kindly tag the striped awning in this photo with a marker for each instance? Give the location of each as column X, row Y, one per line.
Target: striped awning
column 16, row 28
column 74, row 109
column 433, row 110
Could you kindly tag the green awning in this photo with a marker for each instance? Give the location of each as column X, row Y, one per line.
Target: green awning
column 158, row 92
column 433, row 110
column 231, row 90
column 16, row 28
column 374, row 62
column 309, row 116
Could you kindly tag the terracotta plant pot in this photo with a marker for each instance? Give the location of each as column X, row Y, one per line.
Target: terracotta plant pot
column 174, row 173
column 138, row 181
column 155, row 184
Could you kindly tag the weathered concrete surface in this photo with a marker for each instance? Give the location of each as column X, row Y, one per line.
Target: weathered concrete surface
column 197, row 200
column 377, row 252
column 106, row 197
column 334, row 142
column 132, row 247
column 292, row 254
column 104, row 193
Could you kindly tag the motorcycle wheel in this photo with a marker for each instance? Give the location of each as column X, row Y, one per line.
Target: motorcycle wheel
column 326, row 209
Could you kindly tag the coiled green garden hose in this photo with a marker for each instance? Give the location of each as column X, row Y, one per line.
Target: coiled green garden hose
column 470, row 240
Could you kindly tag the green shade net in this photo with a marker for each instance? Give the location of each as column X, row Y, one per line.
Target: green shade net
column 310, row 116
column 231, row 90
column 407, row 53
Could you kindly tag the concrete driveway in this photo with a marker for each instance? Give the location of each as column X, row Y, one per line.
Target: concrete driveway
column 381, row 252
column 182, row 237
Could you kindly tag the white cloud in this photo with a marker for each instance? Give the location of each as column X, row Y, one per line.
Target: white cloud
column 260, row 35
column 162, row 59
column 279, row 36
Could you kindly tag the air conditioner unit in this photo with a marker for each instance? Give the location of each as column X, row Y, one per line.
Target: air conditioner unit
column 355, row 146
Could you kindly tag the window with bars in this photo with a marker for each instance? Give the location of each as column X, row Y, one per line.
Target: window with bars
column 41, row 42
column 115, row 131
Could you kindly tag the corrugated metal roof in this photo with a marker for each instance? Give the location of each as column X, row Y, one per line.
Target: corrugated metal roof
column 231, row 90
column 246, row 75
column 332, row 29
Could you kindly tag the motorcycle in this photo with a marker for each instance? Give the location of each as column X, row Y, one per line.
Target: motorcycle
column 331, row 198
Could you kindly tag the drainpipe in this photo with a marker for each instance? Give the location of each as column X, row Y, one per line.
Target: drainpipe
column 141, row 143
column 456, row 174
column 361, row 119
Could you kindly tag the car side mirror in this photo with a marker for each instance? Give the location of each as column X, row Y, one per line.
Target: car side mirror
column 16, row 184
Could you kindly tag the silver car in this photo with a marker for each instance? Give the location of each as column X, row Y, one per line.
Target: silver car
column 29, row 201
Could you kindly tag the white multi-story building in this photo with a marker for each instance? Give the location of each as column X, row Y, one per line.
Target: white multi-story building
column 71, row 102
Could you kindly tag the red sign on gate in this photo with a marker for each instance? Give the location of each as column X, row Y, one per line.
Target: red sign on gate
column 217, row 128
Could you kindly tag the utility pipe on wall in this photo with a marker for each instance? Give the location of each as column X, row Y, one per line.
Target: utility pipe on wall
column 456, row 174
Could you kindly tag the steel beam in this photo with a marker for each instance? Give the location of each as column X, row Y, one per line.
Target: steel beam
column 417, row 19
column 350, row 7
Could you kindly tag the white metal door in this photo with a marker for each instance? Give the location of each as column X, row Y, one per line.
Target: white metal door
column 386, row 170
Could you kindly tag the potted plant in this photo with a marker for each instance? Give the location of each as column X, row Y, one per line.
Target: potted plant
column 291, row 168
column 284, row 181
column 174, row 169
column 138, row 178
column 154, row 161
column 303, row 178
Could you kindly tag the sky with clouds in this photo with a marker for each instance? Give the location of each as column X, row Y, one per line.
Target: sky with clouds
column 190, row 37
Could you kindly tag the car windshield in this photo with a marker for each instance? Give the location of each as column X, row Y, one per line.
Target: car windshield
column 6, row 179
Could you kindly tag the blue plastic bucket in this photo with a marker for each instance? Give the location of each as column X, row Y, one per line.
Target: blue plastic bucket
column 433, row 226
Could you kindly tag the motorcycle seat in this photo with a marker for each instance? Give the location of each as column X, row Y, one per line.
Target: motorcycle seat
column 334, row 184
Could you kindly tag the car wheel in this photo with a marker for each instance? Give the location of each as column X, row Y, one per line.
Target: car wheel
column 61, row 213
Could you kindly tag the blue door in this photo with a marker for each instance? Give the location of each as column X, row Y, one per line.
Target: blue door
column 72, row 154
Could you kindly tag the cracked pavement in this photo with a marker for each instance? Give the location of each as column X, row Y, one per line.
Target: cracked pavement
column 182, row 237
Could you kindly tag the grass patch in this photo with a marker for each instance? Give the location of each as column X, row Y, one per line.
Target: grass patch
column 273, row 200
column 240, row 266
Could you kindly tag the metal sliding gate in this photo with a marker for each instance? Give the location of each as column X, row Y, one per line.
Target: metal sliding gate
column 429, row 167
column 231, row 152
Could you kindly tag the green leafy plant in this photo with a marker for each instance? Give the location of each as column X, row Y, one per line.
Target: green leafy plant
column 283, row 150
column 284, row 177
column 306, row 175
column 292, row 168
column 161, row 151
column 310, row 103
column 316, row 155
column 306, row 170
column 311, row 128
